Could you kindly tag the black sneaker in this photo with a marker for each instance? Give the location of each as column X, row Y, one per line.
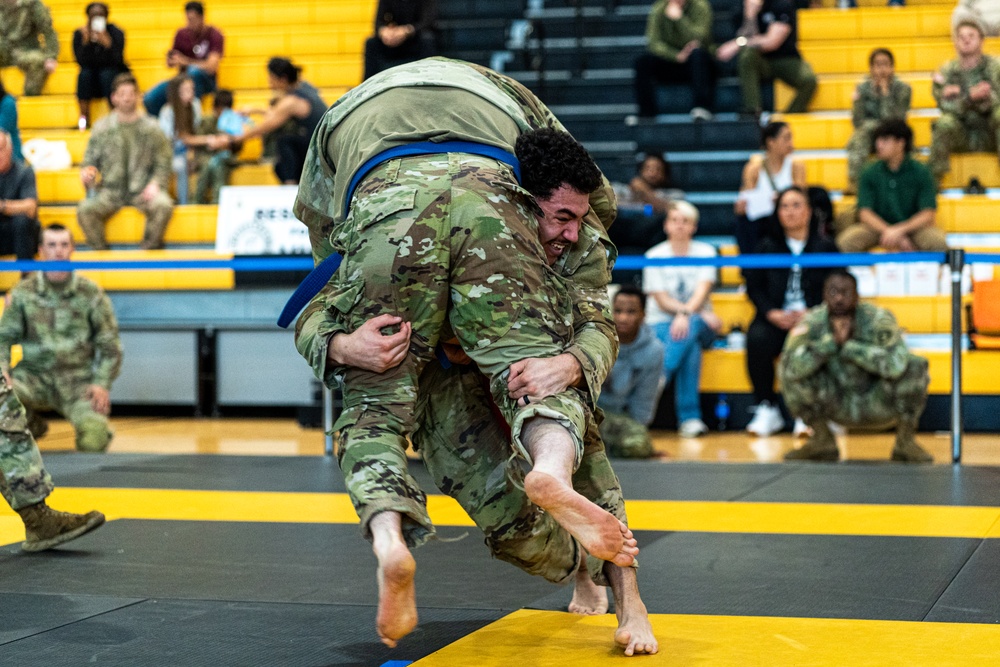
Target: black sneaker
column 974, row 187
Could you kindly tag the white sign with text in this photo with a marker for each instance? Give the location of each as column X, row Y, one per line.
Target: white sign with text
column 258, row 220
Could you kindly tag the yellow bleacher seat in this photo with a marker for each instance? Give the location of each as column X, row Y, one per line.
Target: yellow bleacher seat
column 851, row 57
column 875, row 23
column 968, row 214
column 189, row 224
column 824, row 131
column 831, row 170
column 835, row 92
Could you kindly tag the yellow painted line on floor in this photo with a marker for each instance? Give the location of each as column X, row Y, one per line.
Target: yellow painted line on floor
column 715, row 517
column 558, row 639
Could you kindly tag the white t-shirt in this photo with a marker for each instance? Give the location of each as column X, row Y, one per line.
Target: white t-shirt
column 795, row 297
column 677, row 281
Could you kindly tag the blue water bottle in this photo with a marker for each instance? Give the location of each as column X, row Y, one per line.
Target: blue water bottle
column 722, row 412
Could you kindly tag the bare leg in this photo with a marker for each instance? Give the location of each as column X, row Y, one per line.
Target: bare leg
column 549, row 485
column 634, row 633
column 589, row 599
column 397, row 603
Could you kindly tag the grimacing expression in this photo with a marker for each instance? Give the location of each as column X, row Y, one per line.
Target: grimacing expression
column 840, row 296
column 559, row 224
column 628, row 315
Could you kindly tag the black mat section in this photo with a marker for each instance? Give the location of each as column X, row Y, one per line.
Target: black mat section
column 974, row 595
column 883, row 483
column 656, row 480
column 23, row 615
column 271, row 562
column 879, row 578
column 220, row 634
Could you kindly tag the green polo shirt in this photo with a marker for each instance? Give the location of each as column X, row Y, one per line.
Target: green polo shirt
column 896, row 196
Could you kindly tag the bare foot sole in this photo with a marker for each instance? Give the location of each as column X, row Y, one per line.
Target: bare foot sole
column 397, row 602
column 600, row 533
column 589, row 599
column 635, row 636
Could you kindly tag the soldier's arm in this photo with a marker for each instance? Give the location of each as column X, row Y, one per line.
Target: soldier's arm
column 12, row 327
column 886, row 356
column 809, row 347
column 942, row 79
column 313, row 333
column 903, row 98
column 858, row 115
column 43, row 22
column 107, row 343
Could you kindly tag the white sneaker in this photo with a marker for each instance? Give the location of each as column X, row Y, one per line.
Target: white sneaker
column 692, row 428
column 800, row 430
column 767, row 420
column 701, row 113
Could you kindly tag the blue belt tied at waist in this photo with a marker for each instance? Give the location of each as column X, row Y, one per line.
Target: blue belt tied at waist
column 321, row 275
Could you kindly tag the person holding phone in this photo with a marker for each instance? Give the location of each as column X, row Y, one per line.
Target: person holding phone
column 99, row 48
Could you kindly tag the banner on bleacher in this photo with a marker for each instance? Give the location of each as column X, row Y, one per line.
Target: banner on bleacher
column 258, row 220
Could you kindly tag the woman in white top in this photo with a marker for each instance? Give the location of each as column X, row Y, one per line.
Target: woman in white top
column 764, row 176
column 680, row 311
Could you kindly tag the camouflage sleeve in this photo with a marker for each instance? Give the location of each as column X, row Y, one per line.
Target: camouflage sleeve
column 12, row 328
column 162, row 157
column 901, row 96
column 860, row 103
column 91, row 156
column 946, row 76
column 313, row 331
column 107, row 343
column 43, row 22
column 887, row 356
column 313, row 204
column 808, row 347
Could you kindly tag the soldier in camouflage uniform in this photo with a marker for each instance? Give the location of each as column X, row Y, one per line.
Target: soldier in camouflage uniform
column 506, row 303
column 24, row 21
column 69, row 335
column 967, row 91
column 877, row 98
column 846, row 362
column 128, row 163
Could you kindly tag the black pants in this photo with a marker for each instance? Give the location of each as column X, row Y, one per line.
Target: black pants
column 93, row 83
column 19, row 236
column 698, row 70
column 379, row 57
column 764, row 343
column 291, row 150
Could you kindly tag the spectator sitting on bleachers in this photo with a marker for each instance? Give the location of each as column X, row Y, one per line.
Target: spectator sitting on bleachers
column 99, row 49
column 678, row 49
column 631, row 391
column 196, row 51
column 764, row 176
column 966, row 90
column 18, row 204
column 781, row 297
column 650, row 186
column 22, row 23
column 680, row 312
column 766, row 42
column 404, row 32
column 179, row 119
column 877, row 98
column 291, row 119
column 214, row 165
column 127, row 162
column 846, row 362
column 897, row 198
column 8, row 120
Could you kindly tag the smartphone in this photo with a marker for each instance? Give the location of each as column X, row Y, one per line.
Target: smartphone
column 98, row 24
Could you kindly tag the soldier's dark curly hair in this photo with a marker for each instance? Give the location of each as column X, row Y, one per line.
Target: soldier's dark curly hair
column 550, row 158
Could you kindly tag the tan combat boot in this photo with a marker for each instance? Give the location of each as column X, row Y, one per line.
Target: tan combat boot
column 46, row 528
column 908, row 451
column 822, row 446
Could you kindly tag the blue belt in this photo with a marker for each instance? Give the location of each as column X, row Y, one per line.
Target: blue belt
column 321, row 275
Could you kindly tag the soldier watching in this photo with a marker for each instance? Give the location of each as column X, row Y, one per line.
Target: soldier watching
column 28, row 42
column 67, row 329
column 128, row 163
column 847, row 362
column 967, row 90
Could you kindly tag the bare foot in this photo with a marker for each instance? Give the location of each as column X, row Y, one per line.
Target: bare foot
column 634, row 633
column 397, row 601
column 600, row 533
column 589, row 599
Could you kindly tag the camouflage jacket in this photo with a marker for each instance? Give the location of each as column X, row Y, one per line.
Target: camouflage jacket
column 952, row 73
column 71, row 331
column 870, row 105
column 125, row 168
column 875, row 349
column 23, row 23
column 666, row 37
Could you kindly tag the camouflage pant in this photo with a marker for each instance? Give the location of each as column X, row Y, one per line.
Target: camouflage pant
column 900, row 402
column 94, row 212
column 31, row 61
column 859, row 149
column 213, row 175
column 467, row 451
column 436, row 238
column 962, row 134
column 754, row 68
column 66, row 395
column 625, row 437
column 24, row 481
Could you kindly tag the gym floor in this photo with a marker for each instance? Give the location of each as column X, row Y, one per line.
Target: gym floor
column 231, row 542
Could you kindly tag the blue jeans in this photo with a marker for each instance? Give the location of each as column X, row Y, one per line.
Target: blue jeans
column 682, row 363
column 157, row 96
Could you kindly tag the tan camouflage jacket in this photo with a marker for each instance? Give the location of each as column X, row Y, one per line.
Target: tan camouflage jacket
column 127, row 169
column 952, row 73
column 870, row 105
column 21, row 25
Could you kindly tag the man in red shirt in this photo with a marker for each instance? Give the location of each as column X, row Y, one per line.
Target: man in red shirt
column 196, row 51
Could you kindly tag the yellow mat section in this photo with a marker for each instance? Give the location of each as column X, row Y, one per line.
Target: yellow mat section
column 558, row 639
column 696, row 516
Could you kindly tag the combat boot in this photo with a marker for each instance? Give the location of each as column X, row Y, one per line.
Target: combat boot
column 908, row 451
column 45, row 528
column 822, row 446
